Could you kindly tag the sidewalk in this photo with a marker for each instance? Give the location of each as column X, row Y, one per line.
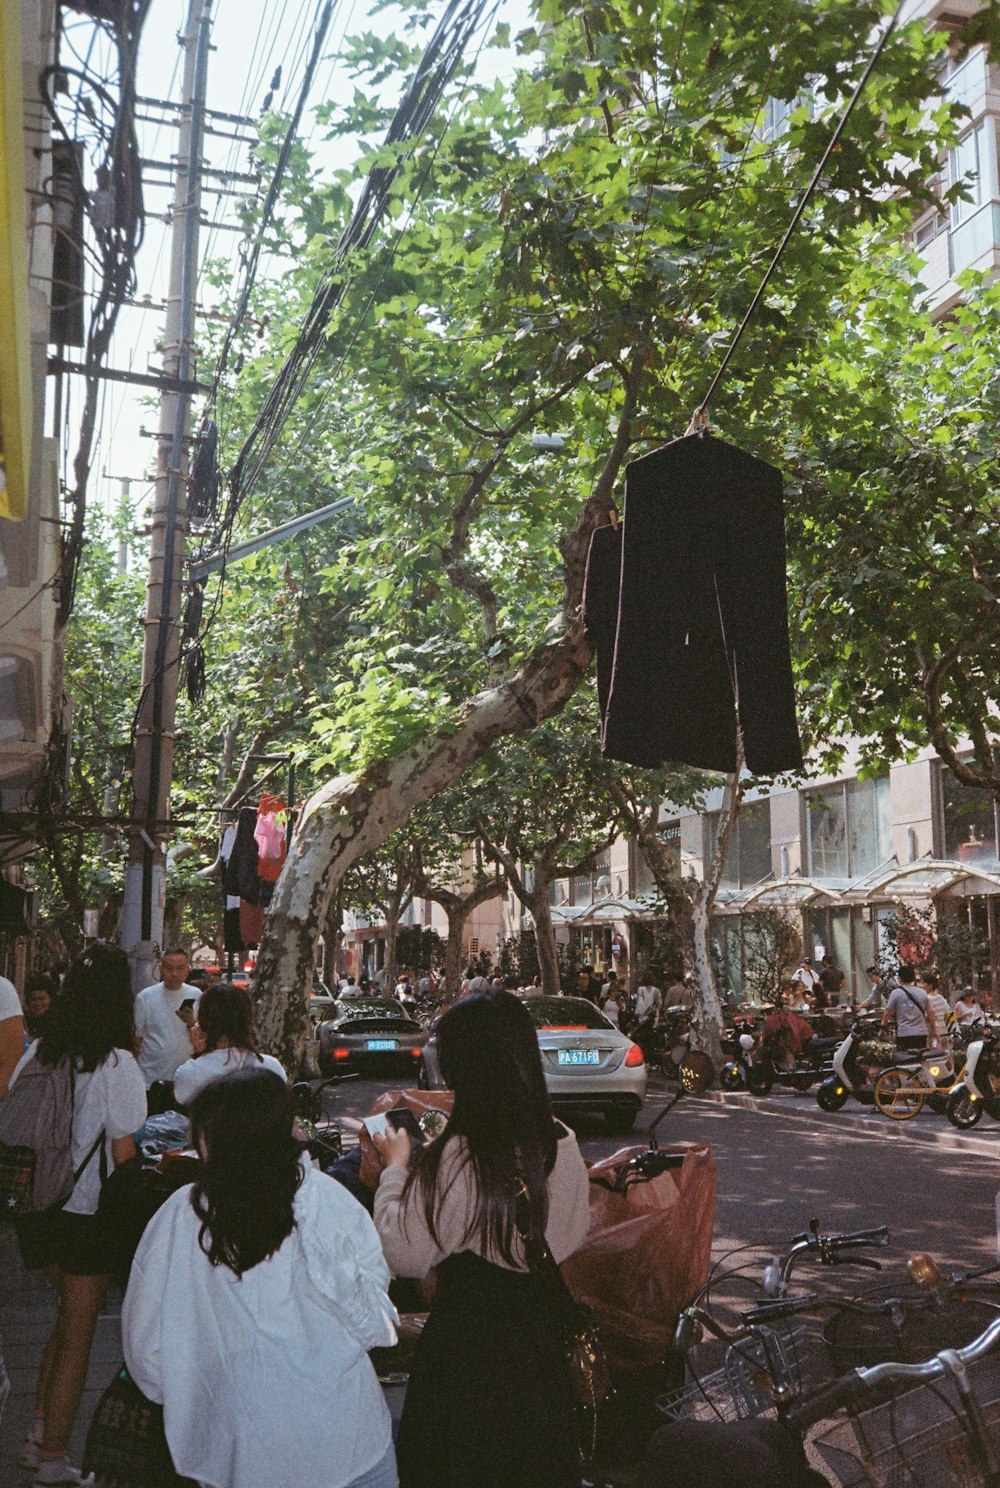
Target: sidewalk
column 27, row 1312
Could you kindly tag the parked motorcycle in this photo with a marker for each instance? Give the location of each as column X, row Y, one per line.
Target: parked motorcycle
column 768, row 1068
column 848, row 1075
column 979, row 1088
column 739, row 1045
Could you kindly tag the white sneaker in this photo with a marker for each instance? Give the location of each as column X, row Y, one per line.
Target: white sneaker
column 31, row 1453
column 53, row 1472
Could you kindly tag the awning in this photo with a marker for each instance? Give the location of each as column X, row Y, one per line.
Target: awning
column 15, row 339
column 936, row 878
column 603, row 912
column 792, row 892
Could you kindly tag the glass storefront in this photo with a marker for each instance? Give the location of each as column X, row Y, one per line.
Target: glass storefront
column 848, row 828
column 749, row 860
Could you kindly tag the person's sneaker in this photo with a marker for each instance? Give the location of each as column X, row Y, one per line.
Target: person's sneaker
column 31, row 1452
column 54, row 1472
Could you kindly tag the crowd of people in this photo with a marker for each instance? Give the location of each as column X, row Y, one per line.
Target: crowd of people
column 257, row 1291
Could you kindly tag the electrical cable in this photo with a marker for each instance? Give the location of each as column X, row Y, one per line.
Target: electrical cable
column 701, row 412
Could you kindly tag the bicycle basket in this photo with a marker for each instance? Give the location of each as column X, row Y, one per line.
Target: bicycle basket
column 916, row 1440
column 856, row 1339
column 744, row 1386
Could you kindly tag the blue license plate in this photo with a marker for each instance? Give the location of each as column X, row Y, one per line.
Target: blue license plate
column 380, row 1045
column 578, row 1056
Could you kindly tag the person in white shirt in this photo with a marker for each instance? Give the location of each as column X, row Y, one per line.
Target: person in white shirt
column 92, row 1024
column 225, row 1040
column 943, row 1016
column 253, row 1299
column 11, row 1032
column 162, row 1022
column 809, row 978
column 648, row 1001
column 967, row 1009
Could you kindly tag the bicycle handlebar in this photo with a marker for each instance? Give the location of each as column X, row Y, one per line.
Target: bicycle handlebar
column 860, row 1384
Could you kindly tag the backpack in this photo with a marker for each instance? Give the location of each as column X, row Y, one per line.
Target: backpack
column 36, row 1136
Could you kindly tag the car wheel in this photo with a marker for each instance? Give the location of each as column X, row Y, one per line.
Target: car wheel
column 619, row 1121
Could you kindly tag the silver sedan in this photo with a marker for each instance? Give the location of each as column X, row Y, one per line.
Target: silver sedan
column 589, row 1064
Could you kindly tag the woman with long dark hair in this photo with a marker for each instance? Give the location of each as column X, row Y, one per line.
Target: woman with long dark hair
column 488, row 1402
column 91, row 1025
column 253, row 1298
column 224, row 1038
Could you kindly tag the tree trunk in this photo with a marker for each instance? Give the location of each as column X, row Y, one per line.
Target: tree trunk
column 707, row 1018
column 351, row 816
column 391, row 939
column 453, row 957
column 545, row 939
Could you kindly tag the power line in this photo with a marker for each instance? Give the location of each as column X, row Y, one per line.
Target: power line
column 701, row 412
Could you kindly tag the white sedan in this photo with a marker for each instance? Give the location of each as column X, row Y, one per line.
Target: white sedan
column 589, row 1064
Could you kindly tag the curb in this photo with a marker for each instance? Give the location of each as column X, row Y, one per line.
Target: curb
column 948, row 1140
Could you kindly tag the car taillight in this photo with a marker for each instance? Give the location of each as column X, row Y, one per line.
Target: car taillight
column 416, row 1053
column 634, row 1057
column 341, row 1053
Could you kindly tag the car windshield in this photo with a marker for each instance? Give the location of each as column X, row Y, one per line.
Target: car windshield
column 369, row 1008
column 568, row 1013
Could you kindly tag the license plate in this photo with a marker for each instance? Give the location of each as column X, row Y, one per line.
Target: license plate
column 377, row 1045
column 578, row 1056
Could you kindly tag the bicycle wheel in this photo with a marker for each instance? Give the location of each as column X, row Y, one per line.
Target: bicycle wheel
column 900, row 1323
column 898, row 1095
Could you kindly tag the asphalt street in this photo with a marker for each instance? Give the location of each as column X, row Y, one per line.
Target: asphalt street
column 776, row 1173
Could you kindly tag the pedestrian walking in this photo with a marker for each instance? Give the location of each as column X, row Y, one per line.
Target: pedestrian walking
column 164, row 1014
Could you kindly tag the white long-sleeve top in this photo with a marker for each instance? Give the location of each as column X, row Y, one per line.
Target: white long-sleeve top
column 265, row 1380
column 412, row 1250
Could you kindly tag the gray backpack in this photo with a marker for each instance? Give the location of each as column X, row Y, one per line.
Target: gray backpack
column 36, row 1137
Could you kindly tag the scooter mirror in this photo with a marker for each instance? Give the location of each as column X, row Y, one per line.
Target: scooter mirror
column 747, row 1041
column 696, row 1072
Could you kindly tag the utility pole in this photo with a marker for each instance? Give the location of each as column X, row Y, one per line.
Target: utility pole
column 145, row 877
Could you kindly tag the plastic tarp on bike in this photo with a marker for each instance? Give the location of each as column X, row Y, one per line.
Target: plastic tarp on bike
column 647, row 1253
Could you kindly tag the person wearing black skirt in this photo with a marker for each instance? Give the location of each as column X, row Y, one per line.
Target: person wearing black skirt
column 488, row 1403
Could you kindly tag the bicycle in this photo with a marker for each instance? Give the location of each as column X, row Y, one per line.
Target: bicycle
column 902, row 1090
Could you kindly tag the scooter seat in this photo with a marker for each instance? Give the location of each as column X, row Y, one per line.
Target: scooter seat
column 907, row 1056
column 823, row 1045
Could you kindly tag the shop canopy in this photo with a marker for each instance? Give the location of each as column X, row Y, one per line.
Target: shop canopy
column 933, row 878
column 603, row 911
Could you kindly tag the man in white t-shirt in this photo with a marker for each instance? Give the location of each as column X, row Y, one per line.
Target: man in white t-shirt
column 162, row 1022
column 11, row 1032
column 648, row 1002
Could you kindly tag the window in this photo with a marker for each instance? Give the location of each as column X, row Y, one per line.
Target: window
column 967, row 166
column 749, row 858
column 968, row 819
column 848, row 828
column 669, row 833
column 17, row 710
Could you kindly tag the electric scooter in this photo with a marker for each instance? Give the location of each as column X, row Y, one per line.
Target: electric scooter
column 979, row 1088
column 848, row 1075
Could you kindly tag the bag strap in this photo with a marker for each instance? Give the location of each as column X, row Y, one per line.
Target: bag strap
column 547, row 1265
column 99, row 1144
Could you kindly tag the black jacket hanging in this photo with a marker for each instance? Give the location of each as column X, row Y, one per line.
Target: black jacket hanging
column 702, row 627
column 600, row 602
column 241, row 870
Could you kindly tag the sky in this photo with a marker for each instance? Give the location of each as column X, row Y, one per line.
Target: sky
column 250, row 38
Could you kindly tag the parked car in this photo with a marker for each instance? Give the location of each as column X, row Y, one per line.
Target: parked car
column 321, row 1001
column 369, row 1034
column 589, row 1064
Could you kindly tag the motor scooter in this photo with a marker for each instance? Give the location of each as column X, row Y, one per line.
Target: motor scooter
column 738, row 1044
column 768, row 1068
column 979, row 1088
column 848, row 1075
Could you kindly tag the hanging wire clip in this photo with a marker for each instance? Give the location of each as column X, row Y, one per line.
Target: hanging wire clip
column 700, row 422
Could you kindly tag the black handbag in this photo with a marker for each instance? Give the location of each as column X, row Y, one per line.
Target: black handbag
column 586, row 1363
column 126, row 1443
column 130, row 1196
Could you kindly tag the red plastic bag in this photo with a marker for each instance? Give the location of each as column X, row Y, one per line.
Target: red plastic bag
column 647, row 1253
column 417, row 1101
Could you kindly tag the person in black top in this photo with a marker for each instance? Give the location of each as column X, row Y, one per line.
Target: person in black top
column 831, row 979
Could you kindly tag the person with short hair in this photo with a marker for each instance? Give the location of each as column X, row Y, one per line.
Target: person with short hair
column 39, row 990
column 253, row 1299
column 164, row 1013
column 912, row 1012
column 648, row 1000
column 224, row 1040
column 967, row 1009
column 881, row 987
column 831, row 979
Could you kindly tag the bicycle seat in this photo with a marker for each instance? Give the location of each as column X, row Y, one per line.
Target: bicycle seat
column 908, row 1056
column 938, row 1054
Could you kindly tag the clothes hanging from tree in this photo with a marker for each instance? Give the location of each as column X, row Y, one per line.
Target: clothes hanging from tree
column 241, row 870
column 701, row 627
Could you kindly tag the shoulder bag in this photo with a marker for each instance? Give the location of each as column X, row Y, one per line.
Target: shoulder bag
column 126, row 1443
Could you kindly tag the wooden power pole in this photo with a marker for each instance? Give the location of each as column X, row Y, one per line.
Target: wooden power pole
column 145, row 877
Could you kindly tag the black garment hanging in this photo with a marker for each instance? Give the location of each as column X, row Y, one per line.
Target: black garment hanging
column 600, row 602
column 702, row 626
column 241, row 870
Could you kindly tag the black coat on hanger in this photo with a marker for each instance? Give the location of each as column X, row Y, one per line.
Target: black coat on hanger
column 702, row 625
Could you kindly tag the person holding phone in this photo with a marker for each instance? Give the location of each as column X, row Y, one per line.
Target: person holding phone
column 163, row 1022
column 224, row 1041
column 488, row 1401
